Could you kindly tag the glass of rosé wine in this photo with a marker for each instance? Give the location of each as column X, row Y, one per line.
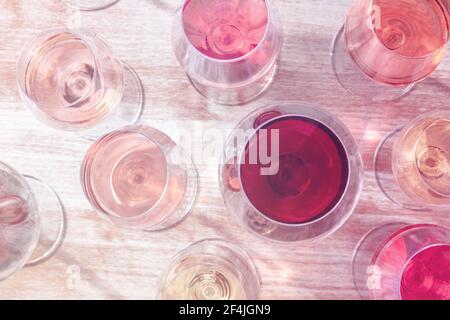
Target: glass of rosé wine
column 71, row 80
column 32, row 221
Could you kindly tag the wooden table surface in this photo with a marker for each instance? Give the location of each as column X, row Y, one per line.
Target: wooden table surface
column 100, row 261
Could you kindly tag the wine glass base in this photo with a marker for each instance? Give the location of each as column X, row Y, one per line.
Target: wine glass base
column 190, row 194
column 129, row 110
column 52, row 221
column 236, row 96
column 385, row 177
column 91, row 5
column 364, row 278
column 355, row 81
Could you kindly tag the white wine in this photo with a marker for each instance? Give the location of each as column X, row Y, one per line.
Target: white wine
column 421, row 160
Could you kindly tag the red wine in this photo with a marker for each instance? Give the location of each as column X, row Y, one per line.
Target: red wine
column 312, row 176
column 427, row 275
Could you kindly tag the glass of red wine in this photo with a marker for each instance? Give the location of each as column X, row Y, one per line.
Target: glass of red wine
column 138, row 178
column 385, row 47
column 228, row 48
column 91, row 5
column 403, row 262
column 32, row 221
column 291, row 172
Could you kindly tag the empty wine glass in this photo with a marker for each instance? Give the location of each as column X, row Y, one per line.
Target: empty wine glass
column 210, row 270
column 138, row 178
column 228, row 48
column 403, row 262
column 412, row 164
column 385, row 47
column 32, row 221
column 90, row 5
column 291, row 172
column 72, row 81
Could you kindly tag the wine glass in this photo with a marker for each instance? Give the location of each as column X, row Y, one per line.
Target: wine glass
column 138, row 178
column 91, row 5
column 412, row 164
column 403, row 262
column 228, row 48
column 291, row 172
column 386, row 47
column 72, row 81
column 211, row 269
column 32, row 221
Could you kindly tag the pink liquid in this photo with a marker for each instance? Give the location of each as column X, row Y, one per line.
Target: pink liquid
column 427, row 275
column 405, row 42
column 125, row 175
column 73, row 83
column 225, row 29
column 312, row 176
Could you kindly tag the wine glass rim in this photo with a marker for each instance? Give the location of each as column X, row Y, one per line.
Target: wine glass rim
column 87, row 162
column 236, row 250
column 269, row 9
column 48, row 34
column 350, row 177
column 443, row 46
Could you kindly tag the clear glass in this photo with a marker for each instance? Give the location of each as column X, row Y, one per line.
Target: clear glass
column 229, row 48
column 403, row 262
column 307, row 165
column 210, row 270
column 71, row 80
column 385, row 47
column 23, row 240
column 138, row 178
column 91, row 5
column 412, row 164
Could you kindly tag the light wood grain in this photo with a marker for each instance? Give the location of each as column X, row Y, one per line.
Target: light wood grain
column 123, row 265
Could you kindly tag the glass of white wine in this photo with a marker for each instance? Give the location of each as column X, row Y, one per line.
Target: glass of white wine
column 210, row 270
column 412, row 164
column 32, row 221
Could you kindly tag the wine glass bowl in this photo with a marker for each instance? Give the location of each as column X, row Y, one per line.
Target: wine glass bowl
column 71, row 80
column 403, row 262
column 305, row 187
column 385, row 47
column 91, row 5
column 228, row 49
column 138, row 178
column 421, row 160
